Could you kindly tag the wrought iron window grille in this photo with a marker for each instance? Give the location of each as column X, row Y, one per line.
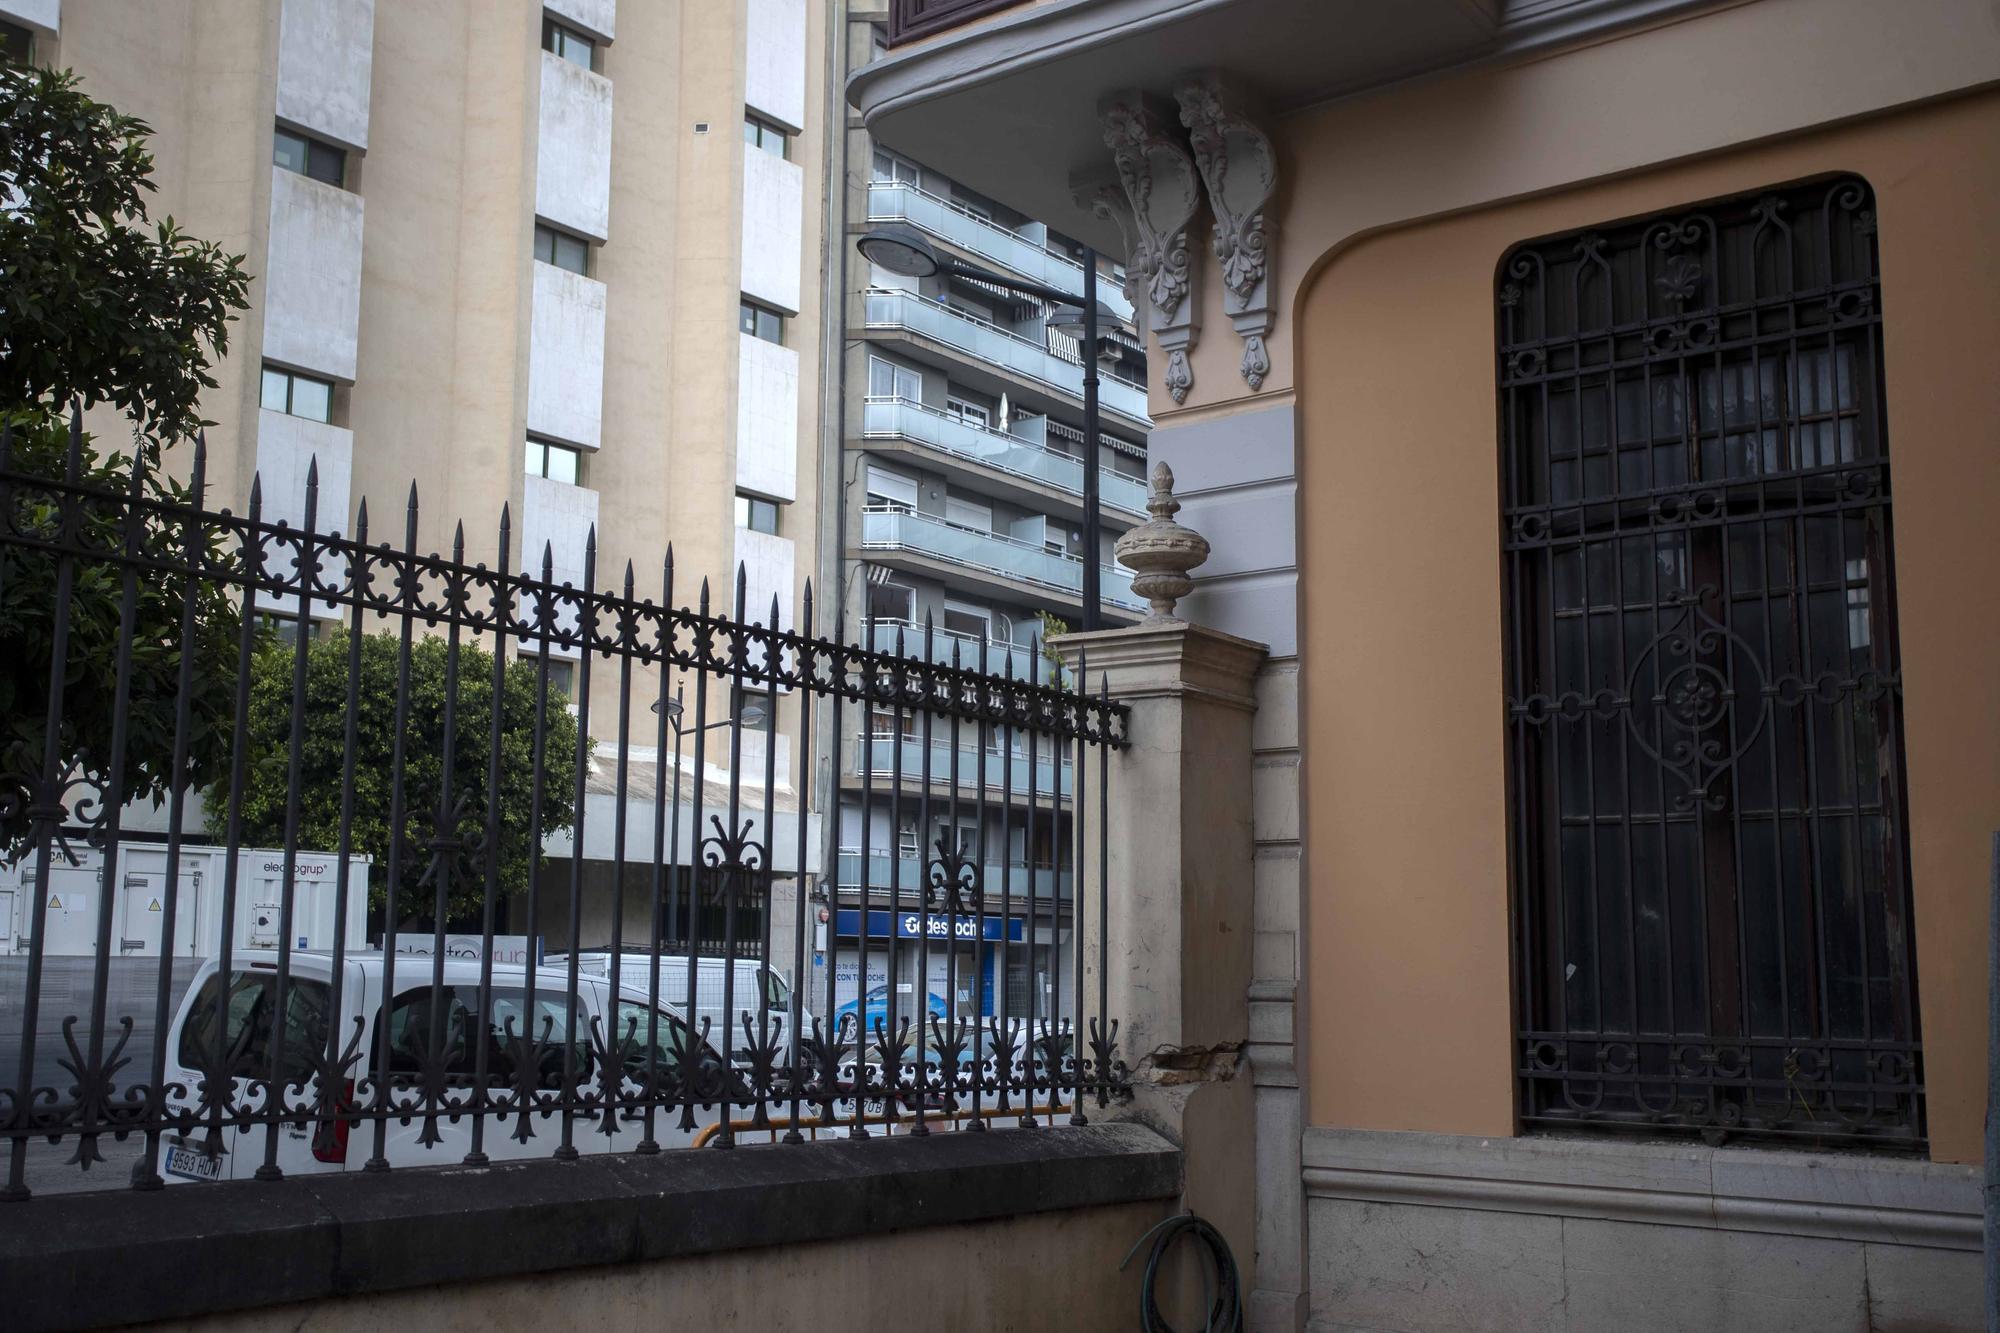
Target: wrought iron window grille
column 1703, row 692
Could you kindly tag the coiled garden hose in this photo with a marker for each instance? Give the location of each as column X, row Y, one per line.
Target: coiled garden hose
column 1223, row 1300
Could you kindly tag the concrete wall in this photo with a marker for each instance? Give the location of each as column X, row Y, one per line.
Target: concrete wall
column 773, row 202
column 287, row 449
column 43, row 14
column 560, row 516
column 325, row 56
column 774, row 76
column 597, row 17
column 312, row 276
column 768, row 561
column 566, row 357
column 767, row 418
column 1021, row 1275
column 573, row 148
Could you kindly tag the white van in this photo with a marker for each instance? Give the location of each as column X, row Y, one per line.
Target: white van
column 711, row 977
column 345, row 1145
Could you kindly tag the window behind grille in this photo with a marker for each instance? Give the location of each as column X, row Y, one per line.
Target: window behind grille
column 1704, row 704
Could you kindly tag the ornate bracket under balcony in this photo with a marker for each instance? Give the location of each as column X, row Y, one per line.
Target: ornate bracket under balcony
column 1163, row 188
column 1241, row 172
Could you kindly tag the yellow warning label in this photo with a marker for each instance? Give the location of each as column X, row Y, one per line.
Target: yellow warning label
column 153, row 906
column 55, row 903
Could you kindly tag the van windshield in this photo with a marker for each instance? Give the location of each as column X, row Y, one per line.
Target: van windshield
column 442, row 1024
column 246, row 1026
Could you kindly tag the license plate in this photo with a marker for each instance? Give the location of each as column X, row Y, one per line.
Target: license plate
column 193, row 1164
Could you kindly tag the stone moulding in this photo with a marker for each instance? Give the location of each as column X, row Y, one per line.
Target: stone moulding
column 1732, row 1189
column 1240, row 171
column 1162, row 187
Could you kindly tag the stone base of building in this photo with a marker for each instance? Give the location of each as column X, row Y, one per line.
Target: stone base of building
column 1430, row 1233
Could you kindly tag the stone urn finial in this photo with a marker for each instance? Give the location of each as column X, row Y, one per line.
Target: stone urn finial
column 1160, row 552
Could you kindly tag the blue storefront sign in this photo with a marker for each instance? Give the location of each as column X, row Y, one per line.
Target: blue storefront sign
column 929, row 925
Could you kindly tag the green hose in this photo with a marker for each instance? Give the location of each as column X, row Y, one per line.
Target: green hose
column 1223, row 1299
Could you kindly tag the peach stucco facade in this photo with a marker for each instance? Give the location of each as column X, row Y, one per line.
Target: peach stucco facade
column 1408, row 950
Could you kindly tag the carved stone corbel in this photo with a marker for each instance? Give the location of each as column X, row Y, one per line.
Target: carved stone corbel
column 1163, row 188
column 1241, row 172
column 1105, row 199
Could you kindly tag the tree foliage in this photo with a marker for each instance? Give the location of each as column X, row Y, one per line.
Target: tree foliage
column 99, row 305
column 322, row 770
column 97, row 302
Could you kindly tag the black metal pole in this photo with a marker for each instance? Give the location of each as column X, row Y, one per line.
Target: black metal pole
column 1091, row 518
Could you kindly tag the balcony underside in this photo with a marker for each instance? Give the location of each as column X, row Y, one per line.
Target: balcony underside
column 982, row 582
column 1054, row 501
column 1007, row 104
column 1023, row 390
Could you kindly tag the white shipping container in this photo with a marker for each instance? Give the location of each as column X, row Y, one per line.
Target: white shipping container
column 139, row 900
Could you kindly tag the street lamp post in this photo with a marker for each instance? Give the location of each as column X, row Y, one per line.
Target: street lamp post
column 903, row 250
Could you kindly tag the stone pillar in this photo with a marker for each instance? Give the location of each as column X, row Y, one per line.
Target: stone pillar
column 1178, row 829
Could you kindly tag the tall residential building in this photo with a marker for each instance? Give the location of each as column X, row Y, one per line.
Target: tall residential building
column 960, row 513
column 551, row 256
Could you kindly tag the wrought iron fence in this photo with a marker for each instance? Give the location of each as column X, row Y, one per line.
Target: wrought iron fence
column 379, row 1005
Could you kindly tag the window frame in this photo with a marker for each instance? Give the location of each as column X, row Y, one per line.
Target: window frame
column 292, row 380
column 548, row 450
column 762, row 133
column 750, row 505
column 557, row 239
column 764, row 322
column 558, row 37
column 318, row 152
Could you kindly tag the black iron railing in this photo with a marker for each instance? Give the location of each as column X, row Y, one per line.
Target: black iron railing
column 233, row 1012
column 911, row 19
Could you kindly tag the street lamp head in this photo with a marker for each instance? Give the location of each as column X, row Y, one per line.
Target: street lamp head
column 899, row 249
column 1069, row 319
column 675, row 709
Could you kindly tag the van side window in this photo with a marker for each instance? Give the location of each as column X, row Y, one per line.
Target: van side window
column 246, row 1048
column 444, row 1021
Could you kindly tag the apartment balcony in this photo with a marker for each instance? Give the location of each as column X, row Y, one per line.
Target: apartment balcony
column 989, row 560
column 900, row 201
column 912, row 873
column 1004, row 775
column 1019, row 454
column 1020, row 661
column 939, row 324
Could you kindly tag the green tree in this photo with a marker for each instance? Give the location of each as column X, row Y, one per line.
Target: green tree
column 99, row 305
column 322, row 770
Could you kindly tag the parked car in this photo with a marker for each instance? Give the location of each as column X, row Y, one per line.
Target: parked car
column 235, row 1018
column 711, row 978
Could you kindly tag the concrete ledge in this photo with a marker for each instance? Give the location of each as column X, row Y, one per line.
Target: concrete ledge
column 79, row 1261
column 1834, row 1196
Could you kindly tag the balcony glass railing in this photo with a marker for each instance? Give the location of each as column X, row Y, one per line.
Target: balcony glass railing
column 890, row 529
column 900, row 201
column 1001, row 770
column 912, row 874
column 1022, row 661
column 899, row 418
column 990, row 343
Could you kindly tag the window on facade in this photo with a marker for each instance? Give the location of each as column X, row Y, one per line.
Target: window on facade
column 761, row 133
column 311, row 157
column 972, row 414
column 557, row 462
column 562, row 681
column 890, row 489
column 760, row 321
column 751, row 707
column 297, row 395
column 890, row 168
column 891, row 601
column 886, row 379
column 569, row 44
column 1704, row 698
column 756, row 513
column 17, row 44
column 562, row 249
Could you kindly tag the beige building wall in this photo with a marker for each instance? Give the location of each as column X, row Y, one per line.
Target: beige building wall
column 448, row 179
column 1410, row 949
